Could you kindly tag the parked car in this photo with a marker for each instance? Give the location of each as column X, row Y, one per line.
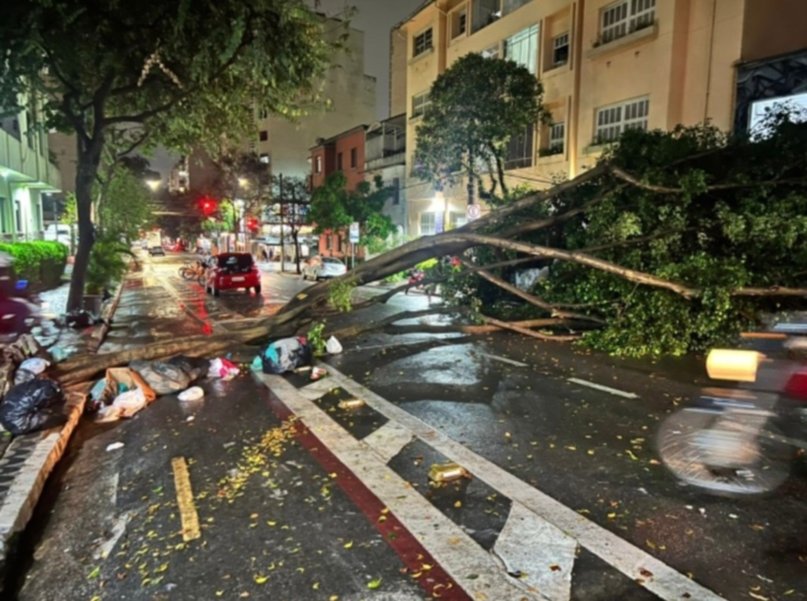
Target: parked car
column 318, row 267
column 232, row 270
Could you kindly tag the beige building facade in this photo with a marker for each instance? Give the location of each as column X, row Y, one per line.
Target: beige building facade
column 605, row 66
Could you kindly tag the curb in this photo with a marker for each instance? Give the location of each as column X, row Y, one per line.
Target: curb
column 29, row 459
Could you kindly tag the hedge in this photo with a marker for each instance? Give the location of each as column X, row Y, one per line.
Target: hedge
column 41, row 263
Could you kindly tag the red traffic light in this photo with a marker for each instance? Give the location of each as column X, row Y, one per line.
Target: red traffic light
column 253, row 224
column 208, row 206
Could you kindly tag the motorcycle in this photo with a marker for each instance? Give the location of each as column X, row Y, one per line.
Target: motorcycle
column 743, row 440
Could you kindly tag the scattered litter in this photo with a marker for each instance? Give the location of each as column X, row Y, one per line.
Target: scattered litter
column 333, row 346
column 302, row 369
column 194, row 393
column 222, row 368
column 30, row 369
column 446, row 472
column 318, row 372
column 734, row 516
column 190, row 418
column 121, row 393
column 286, row 354
column 643, row 490
column 114, row 446
column 702, row 511
column 349, row 404
column 227, row 445
column 162, row 376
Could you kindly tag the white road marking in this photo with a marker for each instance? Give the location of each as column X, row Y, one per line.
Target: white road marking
column 471, row 567
column 542, row 554
column 636, row 564
column 388, row 440
column 503, row 359
column 608, row 389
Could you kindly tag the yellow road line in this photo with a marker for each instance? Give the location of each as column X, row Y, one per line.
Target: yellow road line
column 187, row 509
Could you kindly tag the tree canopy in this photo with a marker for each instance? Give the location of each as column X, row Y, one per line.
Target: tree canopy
column 475, row 107
column 334, row 207
column 175, row 72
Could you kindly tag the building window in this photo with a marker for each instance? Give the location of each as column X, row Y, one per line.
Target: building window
column 339, row 161
column 509, row 6
column 459, row 23
column 263, row 136
column 557, row 137
column 419, row 104
column 624, row 17
column 522, row 48
column 353, row 158
column 485, row 12
column 560, row 50
column 18, row 216
column 318, row 164
column 264, row 158
column 519, row 150
column 615, row 119
column 456, row 219
column 422, row 42
column 396, row 190
column 428, row 225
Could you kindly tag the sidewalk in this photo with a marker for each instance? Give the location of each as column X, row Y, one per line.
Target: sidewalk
column 143, row 312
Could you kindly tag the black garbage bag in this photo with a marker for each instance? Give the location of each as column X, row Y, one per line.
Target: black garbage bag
column 161, row 376
column 286, row 354
column 32, row 406
column 195, row 367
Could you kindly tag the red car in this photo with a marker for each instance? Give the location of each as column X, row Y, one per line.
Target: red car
column 232, row 270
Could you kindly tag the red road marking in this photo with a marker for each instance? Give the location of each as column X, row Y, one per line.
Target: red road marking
column 436, row 580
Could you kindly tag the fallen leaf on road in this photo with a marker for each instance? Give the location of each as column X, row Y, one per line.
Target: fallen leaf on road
column 259, row 579
column 758, row 597
column 348, row 545
column 96, row 572
column 374, row 584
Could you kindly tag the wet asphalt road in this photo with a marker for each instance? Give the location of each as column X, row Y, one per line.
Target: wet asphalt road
column 591, row 450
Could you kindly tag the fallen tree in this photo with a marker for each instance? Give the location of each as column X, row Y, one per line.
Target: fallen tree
column 673, row 242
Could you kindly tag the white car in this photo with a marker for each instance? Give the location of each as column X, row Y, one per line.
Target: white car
column 318, row 267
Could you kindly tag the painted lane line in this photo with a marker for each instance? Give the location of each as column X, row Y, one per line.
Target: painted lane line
column 388, row 440
column 187, row 509
column 542, row 554
column 600, row 387
column 475, row 570
column 651, row 573
column 503, row 359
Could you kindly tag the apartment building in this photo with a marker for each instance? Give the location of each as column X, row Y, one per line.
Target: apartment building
column 351, row 96
column 605, row 66
column 26, row 174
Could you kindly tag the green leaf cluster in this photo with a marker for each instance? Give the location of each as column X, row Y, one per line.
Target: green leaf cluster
column 717, row 214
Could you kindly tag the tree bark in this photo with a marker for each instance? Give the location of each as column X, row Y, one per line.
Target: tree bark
column 527, row 332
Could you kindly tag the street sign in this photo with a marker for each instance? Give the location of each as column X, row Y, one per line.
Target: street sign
column 473, row 211
column 354, row 232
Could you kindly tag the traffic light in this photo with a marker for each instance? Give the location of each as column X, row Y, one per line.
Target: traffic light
column 208, row 206
column 253, row 224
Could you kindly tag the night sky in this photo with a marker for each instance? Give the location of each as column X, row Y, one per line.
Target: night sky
column 375, row 18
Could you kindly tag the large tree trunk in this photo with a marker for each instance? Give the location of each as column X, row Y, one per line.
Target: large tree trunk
column 88, row 161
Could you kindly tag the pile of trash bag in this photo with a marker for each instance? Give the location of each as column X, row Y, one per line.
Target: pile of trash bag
column 31, row 406
column 126, row 390
column 284, row 355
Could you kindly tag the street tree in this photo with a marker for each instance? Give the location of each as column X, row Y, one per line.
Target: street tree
column 475, row 108
column 334, row 207
column 171, row 72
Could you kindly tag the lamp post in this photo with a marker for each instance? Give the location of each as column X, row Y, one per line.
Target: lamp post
column 239, row 206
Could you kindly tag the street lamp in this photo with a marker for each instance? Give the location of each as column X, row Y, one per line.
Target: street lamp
column 153, row 184
column 239, row 205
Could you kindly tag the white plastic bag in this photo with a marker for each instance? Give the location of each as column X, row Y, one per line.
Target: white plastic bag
column 333, row 346
column 35, row 365
column 194, row 393
column 125, row 404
